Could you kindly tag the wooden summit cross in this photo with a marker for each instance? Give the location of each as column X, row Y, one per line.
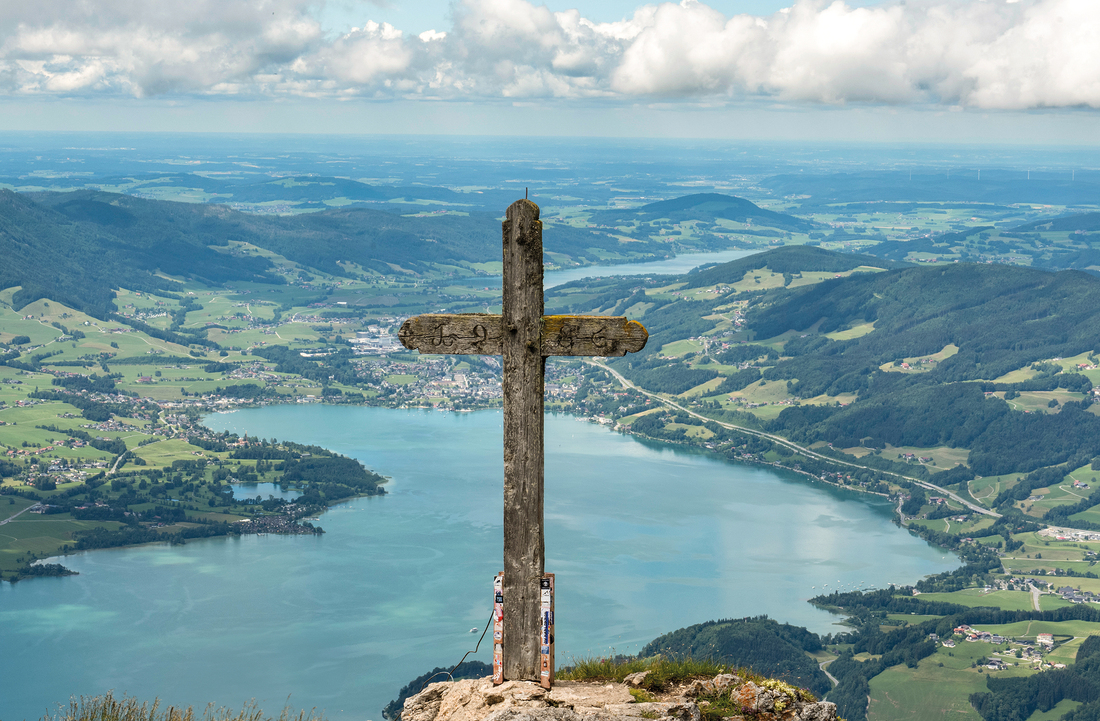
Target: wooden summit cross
column 525, row 337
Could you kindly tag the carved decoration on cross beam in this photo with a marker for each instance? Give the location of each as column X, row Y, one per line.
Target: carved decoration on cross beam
column 562, row 335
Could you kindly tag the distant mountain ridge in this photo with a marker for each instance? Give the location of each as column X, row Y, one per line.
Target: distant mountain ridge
column 307, row 191
column 706, row 207
column 786, row 259
column 1081, row 221
column 369, row 237
column 76, row 247
column 991, row 186
column 79, row 258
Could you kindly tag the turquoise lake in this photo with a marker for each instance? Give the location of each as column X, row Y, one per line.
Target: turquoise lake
column 669, row 266
column 644, row 538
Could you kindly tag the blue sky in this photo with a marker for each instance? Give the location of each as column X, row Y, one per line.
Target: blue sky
column 421, row 15
column 1017, row 71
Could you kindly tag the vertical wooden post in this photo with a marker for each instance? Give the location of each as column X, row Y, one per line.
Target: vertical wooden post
column 524, row 365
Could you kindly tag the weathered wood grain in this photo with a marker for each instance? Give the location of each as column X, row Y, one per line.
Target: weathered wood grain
column 561, row 335
column 524, row 371
column 591, row 335
column 461, row 333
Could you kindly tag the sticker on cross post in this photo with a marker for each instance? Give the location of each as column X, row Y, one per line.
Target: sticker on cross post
column 546, row 630
column 498, row 629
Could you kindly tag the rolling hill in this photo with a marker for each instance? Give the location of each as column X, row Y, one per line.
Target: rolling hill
column 79, row 258
column 786, row 259
column 76, row 247
column 905, row 357
column 707, row 208
column 1080, row 221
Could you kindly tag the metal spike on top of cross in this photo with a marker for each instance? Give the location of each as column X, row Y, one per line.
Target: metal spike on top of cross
column 525, row 337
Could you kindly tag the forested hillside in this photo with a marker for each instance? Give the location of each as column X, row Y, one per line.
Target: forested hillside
column 77, row 247
column 776, row 650
column 999, row 318
column 860, row 357
column 1082, row 221
column 789, row 260
column 79, row 259
column 705, row 208
column 1010, row 699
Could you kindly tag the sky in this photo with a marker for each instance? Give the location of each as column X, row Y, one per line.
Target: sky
column 1004, row 71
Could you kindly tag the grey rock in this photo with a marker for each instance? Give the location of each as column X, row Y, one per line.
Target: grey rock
column 578, row 696
column 680, row 710
column 684, row 712
column 820, row 711
column 726, row 682
column 479, row 700
column 424, row 706
column 698, row 688
column 720, row 684
column 534, row 714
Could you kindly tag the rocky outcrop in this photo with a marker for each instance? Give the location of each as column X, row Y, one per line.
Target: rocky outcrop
column 479, row 700
column 720, row 684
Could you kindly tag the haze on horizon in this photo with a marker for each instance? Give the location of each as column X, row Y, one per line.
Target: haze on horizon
column 1017, row 71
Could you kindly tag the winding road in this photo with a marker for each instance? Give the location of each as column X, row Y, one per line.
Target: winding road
column 791, row 445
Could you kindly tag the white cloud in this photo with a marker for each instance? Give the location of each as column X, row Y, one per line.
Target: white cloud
column 1013, row 54
column 146, row 48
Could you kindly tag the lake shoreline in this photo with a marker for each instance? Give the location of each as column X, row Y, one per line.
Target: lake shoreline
column 238, row 531
column 645, row 538
column 692, row 443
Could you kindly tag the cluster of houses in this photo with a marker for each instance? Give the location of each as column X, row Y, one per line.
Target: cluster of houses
column 1009, row 583
column 463, row 384
column 1075, row 595
column 973, row 634
column 45, row 507
column 717, row 290
column 375, row 340
column 910, row 457
column 1070, row 534
column 275, row 524
column 433, row 380
column 905, row 365
column 1028, row 652
column 144, row 314
column 112, row 425
column 559, row 390
column 28, row 451
column 57, row 472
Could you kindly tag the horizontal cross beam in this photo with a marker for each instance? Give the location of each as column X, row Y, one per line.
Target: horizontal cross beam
column 562, row 335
